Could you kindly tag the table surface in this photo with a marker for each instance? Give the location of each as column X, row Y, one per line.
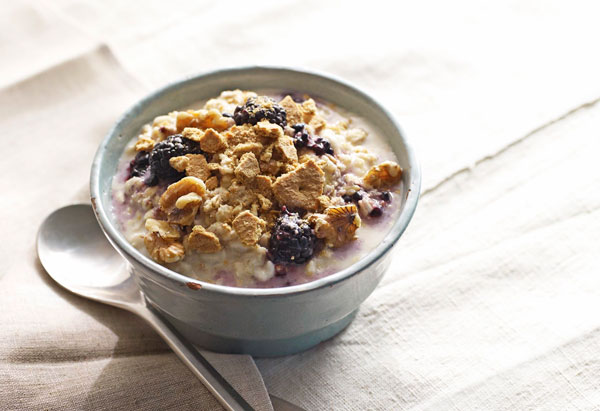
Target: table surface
column 492, row 297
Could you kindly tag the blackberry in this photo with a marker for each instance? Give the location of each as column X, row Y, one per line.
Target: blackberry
column 371, row 203
column 386, row 196
column 303, row 139
column 358, row 195
column 321, row 146
column 300, row 136
column 174, row 146
column 377, row 211
column 292, row 240
column 260, row 108
column 354, row 197
column 139, row 165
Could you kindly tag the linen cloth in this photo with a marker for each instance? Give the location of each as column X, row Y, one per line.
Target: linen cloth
column 492, row 297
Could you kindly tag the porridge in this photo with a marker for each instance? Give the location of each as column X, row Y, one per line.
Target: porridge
column 257, row 190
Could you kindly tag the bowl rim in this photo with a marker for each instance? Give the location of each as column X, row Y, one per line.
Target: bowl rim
column 118, row 240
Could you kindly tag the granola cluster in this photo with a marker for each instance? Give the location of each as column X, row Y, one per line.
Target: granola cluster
column 244, row 168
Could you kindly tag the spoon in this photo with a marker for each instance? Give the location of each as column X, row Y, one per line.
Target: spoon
column 77, row 255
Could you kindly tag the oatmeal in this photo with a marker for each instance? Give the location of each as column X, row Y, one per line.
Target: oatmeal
column 257, row 190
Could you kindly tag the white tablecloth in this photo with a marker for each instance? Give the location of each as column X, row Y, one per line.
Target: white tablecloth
column 492, row 299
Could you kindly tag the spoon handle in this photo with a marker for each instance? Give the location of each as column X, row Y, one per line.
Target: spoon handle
column 216, row 384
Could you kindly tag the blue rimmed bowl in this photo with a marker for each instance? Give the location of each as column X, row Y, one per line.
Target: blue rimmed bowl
column 260, row 322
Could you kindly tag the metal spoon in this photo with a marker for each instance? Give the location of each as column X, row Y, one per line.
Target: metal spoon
column 77, row 255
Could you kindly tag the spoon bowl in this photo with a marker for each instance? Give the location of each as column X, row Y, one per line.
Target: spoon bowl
column 77, row 255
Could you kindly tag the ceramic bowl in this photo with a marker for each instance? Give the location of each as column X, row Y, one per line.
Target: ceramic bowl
column 259, row 322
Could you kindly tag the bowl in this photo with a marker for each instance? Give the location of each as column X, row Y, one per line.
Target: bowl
column 259, row 322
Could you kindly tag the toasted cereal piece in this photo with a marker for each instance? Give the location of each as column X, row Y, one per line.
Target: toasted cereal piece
column 268, row 130
column 197, row 167
column 300, row 188
column 212, row 141
column 310, row 115
column 285, row 147
column 247, row 168
column 191, row 133
column 212, row 183
column 244, row 148
column 194, row 165
column 241, row 134
column 264, row 185
column 248, row 227
column 179, row 163
column 324, row 202
column 267, row 153
column 294, row 114
column 264, row 202
column 202, row 241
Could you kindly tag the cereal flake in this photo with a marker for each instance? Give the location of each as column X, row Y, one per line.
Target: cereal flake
column 247, row 168
column 212, row 141
column 248, row 227
column 300, row 188
column 202, row 241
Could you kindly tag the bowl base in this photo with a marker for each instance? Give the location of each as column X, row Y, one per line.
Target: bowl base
column 260, row 348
